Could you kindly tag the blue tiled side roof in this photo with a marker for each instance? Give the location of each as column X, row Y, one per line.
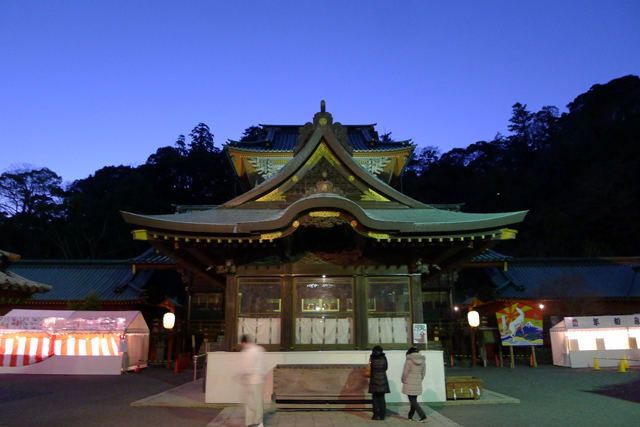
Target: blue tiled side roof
column 73, row 281
column 565, row 280
column 150, row 256
column 285, row 138
column 491, row 256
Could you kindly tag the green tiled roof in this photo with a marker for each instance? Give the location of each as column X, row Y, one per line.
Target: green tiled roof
column 406, row 220
column 74, row 280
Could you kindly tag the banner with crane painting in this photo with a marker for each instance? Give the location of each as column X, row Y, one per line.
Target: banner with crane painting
column 520, row 325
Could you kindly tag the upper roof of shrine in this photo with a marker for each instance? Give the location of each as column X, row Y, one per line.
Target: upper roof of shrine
column 283, row 138
column 324, row 182
column 273, row 146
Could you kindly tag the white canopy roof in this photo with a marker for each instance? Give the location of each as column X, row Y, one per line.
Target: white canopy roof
column 134, row 321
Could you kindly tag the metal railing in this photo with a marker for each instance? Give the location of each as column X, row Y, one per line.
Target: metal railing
column 203, row 359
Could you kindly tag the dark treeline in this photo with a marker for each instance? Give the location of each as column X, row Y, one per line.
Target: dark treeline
column 40, row 219
column 577, row 173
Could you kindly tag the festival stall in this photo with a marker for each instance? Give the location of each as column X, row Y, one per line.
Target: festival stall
column 72, row 342
column 577, row 342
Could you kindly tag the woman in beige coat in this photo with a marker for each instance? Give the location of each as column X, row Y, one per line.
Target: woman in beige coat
column 414, row 371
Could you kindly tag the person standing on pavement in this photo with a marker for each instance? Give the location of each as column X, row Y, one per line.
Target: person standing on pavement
column 378, row 383
column 415, row 369
column 253, row 378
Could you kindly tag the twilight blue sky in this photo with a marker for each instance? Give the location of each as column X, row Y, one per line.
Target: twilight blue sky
column 87, row 84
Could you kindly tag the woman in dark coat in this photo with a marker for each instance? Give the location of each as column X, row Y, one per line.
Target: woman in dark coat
column 378, row 383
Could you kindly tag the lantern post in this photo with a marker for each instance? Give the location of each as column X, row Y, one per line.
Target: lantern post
column 474, row 320
column 168, row 321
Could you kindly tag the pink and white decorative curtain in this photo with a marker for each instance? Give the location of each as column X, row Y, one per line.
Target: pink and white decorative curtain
column 20, row 349
column 79, row 344
column 28, row 348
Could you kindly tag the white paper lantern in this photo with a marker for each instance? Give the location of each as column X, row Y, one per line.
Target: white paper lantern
column 474, row 318
column 169, row 320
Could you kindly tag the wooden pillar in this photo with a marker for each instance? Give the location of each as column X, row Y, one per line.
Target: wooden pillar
column 288, row 322
column 361, row 318
column 417, row 315
column 473, row 346
column 231, row 313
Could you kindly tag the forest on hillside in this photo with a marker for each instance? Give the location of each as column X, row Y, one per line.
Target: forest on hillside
column 578, row 174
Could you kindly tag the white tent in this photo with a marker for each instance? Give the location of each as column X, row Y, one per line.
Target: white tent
column 72, row 342
column 577, row 342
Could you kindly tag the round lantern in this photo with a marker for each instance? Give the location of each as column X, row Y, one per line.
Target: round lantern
column 474, row 318
column 169, row 320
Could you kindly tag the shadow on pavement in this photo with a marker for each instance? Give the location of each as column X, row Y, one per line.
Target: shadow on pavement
column 627, row 391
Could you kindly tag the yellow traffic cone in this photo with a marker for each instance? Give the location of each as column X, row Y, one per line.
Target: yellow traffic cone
column 626, row 362
column 596, row 367
column 622, row 368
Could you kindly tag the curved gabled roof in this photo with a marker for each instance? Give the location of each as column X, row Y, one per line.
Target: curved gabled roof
column 246, row 221
column 320, row 135
column 323, row 176
column 283, row 138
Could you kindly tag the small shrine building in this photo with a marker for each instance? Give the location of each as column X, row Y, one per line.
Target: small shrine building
column 321, row 252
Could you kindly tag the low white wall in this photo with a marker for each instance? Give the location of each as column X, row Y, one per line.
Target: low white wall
column 606, row 358
column 223, row 384
column 70, row 365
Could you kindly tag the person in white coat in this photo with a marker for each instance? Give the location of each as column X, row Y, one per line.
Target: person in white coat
column 253, row 378
column 414, row 372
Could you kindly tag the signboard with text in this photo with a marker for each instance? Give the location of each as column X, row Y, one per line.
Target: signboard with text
column 419, row 333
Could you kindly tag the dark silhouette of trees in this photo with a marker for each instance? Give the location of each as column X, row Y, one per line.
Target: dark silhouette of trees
column 577, row 174
column 85, row 223
column 253, row 133
column 30, row 202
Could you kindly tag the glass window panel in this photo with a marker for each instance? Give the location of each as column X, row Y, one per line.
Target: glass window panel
column 388, row 309
column 388, row 295
column 260, row 307
column 258, row 298
column 324, row 310
column 207, row 306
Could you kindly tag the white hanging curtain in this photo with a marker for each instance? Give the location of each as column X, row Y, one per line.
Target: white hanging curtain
column 400, row 330
column 303, row 330
column 345, row 326
column 386, row 331
column 330, row 331
column 247, row 326
column 374, row 330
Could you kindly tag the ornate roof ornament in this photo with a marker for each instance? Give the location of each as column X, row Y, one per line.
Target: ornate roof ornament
column 322, row 120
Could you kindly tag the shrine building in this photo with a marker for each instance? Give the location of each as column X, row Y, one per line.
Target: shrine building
column 321, row 252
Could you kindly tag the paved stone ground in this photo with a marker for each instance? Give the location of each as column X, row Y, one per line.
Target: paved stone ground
column 234, row 417
column 553, row 396
column 549, row 396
